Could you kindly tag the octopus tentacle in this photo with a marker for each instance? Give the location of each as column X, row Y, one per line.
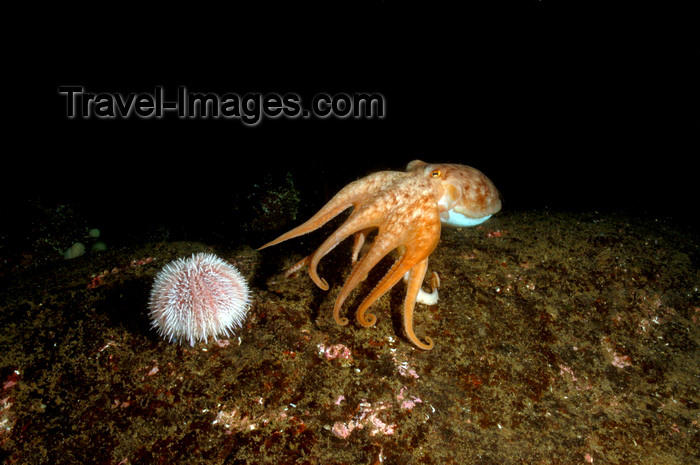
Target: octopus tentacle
column 404, row 263
column 375, row 254
column 349, row 196
column 332, row 209
column 360, row 238
column 356, row 222
column 415, row 281
column 297, row 266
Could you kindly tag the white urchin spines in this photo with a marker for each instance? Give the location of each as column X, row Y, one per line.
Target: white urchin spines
column 197, row 298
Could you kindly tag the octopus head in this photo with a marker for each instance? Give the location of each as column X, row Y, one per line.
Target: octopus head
column 465, row 196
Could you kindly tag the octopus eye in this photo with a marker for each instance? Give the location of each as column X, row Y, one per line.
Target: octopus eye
column 436, row 174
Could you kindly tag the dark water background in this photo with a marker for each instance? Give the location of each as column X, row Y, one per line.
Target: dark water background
column 581, row 108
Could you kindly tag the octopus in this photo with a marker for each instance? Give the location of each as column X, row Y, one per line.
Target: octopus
column 407, row 210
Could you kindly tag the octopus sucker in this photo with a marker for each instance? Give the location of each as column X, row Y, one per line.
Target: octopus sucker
column 407, row 209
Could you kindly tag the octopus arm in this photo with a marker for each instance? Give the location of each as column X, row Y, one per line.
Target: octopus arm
column 356, row 223
column 415, row 281
column 350, row 196
column 415, row 244
column 328, row 212
column 359, row 241
column 403, row 264
column 375, row 254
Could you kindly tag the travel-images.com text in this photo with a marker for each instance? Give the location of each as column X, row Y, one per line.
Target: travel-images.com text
column 250, row 108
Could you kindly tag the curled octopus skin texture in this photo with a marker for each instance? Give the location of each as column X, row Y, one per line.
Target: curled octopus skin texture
column 407, row 208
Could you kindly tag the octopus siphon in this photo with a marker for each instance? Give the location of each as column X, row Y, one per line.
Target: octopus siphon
column 407, row 209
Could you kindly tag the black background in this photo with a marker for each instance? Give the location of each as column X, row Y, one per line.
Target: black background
column 576, row 107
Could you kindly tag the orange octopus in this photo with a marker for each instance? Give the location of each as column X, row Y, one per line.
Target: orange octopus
column 407, row 208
